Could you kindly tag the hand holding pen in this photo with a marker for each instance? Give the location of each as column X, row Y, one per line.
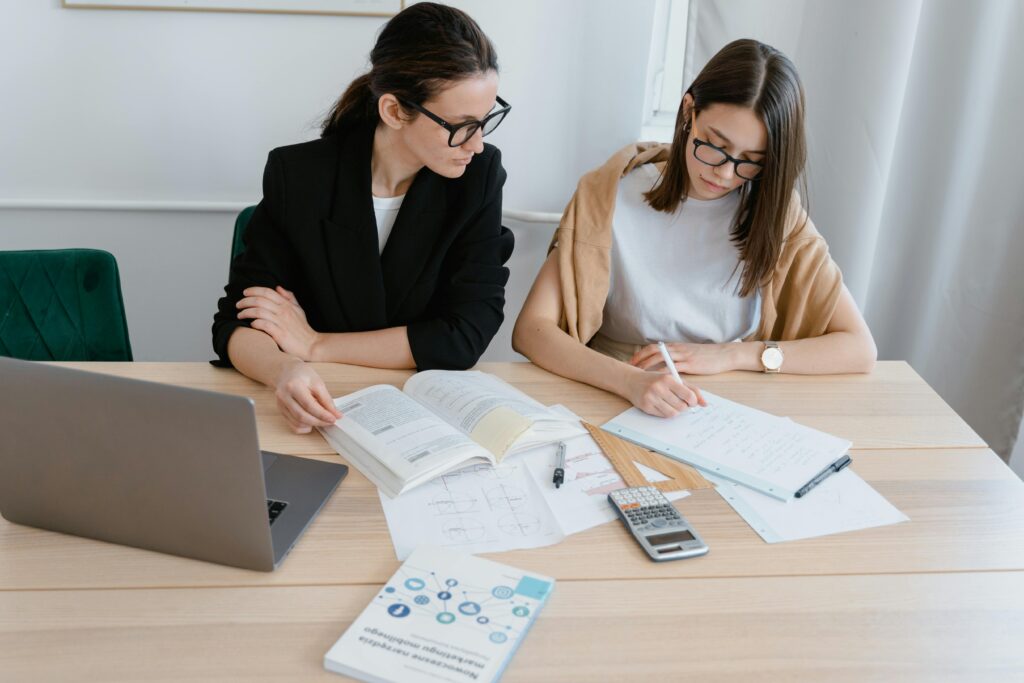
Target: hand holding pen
column 661, row 395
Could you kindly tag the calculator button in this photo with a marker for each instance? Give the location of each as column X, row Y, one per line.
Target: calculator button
column 659, row 522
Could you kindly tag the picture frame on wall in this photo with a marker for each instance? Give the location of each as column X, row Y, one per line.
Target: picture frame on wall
column 366, row 8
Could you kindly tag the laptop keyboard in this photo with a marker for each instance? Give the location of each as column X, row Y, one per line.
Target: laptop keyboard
column 275, row 508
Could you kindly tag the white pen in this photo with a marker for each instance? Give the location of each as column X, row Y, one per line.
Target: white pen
column 669, row 363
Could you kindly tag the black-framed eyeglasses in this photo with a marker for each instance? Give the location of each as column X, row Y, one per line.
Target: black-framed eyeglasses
column 460, row 133
column 709, row 154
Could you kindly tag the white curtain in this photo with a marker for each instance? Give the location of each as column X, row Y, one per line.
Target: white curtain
column 915, row 173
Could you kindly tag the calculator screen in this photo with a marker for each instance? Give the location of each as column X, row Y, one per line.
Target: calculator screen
column 672, row 537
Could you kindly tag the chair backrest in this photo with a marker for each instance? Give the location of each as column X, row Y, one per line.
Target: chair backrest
column 62, row 305
column 241, row 223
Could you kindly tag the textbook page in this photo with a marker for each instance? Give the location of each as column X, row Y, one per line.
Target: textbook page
column 494, row 413
column 771, row 454
column 402, row 434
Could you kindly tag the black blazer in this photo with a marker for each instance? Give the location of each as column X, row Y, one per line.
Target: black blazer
column 441, row 273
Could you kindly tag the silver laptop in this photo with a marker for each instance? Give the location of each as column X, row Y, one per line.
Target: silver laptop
column 150, row 465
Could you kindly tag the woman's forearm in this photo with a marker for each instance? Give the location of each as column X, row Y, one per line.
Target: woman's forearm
column 551, row 348
column 387, row 348
column 256, row 355
column 832, row 353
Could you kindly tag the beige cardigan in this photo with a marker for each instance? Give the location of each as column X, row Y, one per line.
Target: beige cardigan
column 798, row 302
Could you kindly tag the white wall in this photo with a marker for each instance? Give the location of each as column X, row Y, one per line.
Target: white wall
column 184, row 106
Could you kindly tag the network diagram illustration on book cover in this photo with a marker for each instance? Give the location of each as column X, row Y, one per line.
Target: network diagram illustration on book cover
column 498, row 612
column 443, row 616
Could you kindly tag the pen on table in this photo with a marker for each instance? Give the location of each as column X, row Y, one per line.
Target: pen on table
column 559, row 465
column 825, row 474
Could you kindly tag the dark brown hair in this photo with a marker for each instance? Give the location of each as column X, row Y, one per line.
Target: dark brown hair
column 749, row 74
column 419, row 51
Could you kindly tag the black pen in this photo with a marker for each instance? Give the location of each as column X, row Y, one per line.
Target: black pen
column 825, row 474
column 560, row 465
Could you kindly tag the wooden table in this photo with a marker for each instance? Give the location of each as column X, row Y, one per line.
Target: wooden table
column 938, row 598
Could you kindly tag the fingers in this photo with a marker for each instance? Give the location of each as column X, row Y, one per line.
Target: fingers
column 257, row 312
column 289, row 296
column 661, row 398
column 295, row 422
column 670, row 405
column 649, row 362
column 266, row 293
column 258, row 302
column 645, row 355
column 272, row 329
column 309, row 403
column 685, row 393
column 304, row 412
column 324, row 398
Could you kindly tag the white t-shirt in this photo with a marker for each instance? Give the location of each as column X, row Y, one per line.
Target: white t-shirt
column 385, row 210
column 675, row 277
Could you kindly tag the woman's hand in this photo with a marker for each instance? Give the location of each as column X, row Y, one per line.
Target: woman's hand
column 693, row 359
column 661, row 395
column 303, row 399
column 277, row 313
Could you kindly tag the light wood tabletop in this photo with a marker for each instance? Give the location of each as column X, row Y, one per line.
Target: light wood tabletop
column 935, row 598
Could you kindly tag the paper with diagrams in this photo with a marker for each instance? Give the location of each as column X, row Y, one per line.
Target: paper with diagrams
column 484, row 508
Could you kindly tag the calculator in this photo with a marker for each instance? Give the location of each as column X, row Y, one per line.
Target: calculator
column 656, row 524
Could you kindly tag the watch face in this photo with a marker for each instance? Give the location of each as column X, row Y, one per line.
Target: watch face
column 772, row 359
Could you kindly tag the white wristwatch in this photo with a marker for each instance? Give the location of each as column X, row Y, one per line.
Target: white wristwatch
column 772, row 357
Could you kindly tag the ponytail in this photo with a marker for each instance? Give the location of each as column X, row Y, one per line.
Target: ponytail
column 418, row 53
column 355, row 106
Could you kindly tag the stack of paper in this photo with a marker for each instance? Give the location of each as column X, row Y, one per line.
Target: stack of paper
column 758, row 462
column 512, row 505
column 770, row 454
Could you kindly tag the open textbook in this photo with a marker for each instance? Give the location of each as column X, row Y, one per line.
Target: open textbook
column 440, row 421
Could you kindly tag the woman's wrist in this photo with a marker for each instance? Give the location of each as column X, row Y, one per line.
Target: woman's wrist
column 746, row 356
column 317, row 349
column 624, row 384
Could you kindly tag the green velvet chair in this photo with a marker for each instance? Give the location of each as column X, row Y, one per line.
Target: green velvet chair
column 241, row 223
column 62, row 305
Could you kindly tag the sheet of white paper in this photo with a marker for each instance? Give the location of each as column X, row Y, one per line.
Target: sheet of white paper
column 581, row 502
column 740, row 443
column 587, row 472
column 478, row 509
column 482, row 509
column 843, row 502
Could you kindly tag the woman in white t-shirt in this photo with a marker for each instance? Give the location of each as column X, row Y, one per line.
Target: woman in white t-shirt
column 703, row 244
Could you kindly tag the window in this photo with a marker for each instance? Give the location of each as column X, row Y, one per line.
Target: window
column 667, row 67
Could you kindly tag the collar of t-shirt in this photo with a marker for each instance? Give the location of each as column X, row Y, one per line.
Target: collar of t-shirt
column 385, row 210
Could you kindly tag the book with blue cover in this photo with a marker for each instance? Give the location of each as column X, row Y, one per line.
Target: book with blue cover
column 443, row 616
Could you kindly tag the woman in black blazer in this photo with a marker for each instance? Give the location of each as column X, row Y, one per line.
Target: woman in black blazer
column 327, row 277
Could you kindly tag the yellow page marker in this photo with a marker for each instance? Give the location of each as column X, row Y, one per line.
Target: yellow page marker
column 499, row 429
